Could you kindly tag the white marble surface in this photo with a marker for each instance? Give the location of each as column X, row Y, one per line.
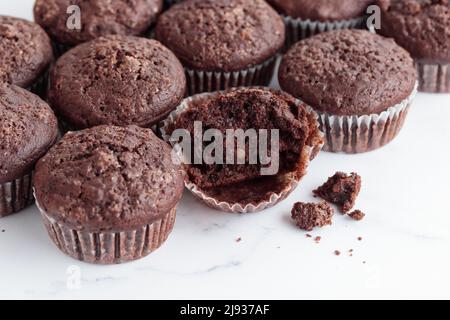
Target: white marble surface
column 406, row 235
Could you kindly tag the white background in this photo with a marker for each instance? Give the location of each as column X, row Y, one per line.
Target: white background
column 406, row 235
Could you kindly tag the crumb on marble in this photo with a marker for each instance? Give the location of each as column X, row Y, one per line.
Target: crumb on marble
column 357, row 215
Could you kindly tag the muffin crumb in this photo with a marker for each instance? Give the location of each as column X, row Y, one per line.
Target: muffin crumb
column 337, row 253
column 357, row 215
column 341, row 189
column 307, row 216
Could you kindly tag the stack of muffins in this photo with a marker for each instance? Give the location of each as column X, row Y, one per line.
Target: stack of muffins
column 108, row 190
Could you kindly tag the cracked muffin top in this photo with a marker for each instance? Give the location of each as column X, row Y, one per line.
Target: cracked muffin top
column 28, row 128
column 116, row 80
column 348, row 72
column 108, row 178
column 322, row 10
column 25, row 51
column 221, row 35
column 98, row 18
column 420, row 26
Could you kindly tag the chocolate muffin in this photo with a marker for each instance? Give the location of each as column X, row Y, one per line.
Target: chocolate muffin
column 423, row 28
column 305, row 18
column 108, row 194
column 223, row 43
column 235, row 179
column 116, row 80
column 97, row 18
column 25, row 54
column 28, row 128
column 360, row 84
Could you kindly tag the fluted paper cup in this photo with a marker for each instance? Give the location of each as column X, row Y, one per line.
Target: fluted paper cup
column 16, row 195
column 433, row 78
column 208, row 81
column 298, row 29
column 358, row 134
column 109, row 247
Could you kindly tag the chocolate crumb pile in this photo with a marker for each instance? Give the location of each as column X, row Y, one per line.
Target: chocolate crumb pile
column 341, row 189
column 307, row 216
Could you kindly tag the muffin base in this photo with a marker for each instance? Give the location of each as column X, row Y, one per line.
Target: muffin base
column 207, row 81
column 16, row 195
column 109, row 247
column 298, row 29
column 292, row 181
column 433, row 78
column 359, row 134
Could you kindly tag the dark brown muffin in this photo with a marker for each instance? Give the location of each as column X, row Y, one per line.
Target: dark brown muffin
column 348, row 72
column 25, row 53
column 420, row 26
column 254, row 109
column 423, row 28
column 322, row 10
column 116, row 80
column 98, row 18
column 28, row 128
column 114, row 188
column 361, row 84
column 223, row 36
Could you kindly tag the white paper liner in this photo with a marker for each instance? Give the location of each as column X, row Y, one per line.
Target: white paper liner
column 16, row 195
column 310, row 152
column 433, row 78
column 358, row 134
column 109, row 247
column 208, row 81
column 298, row 29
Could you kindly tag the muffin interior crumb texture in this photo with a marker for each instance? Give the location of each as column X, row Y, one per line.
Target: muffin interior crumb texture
column 28, row 127
column 25, row 51
column 221, row 35
column 249, row 109
column 341, row 189
column 348, row 72
column 108, row 178
column 308, row 216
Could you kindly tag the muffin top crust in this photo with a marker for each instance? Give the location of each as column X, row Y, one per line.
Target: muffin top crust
column 322, row 10
column 25, row 51
column 108, row 178
column 98, row 18
column 348, row 72
column 28, row 128
column 221, row 35
column 420, row 26
column 116, row 80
